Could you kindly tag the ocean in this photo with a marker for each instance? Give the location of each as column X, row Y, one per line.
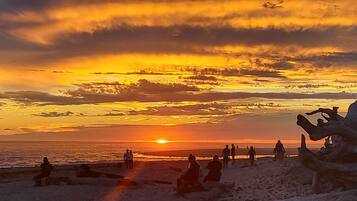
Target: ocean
column 30, row 153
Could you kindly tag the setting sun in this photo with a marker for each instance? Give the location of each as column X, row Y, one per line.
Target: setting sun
column 161, row 141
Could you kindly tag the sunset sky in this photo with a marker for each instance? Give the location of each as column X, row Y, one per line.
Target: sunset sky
column 177, row 69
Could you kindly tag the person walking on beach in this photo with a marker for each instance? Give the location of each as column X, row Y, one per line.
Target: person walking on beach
column 279, row 150
column 214, row 167
column 251, row 154
column 46, row 169
column 126, row 159
column 233, row 152
column 225, row 155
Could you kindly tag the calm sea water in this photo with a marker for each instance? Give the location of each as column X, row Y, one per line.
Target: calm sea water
column 29, row 154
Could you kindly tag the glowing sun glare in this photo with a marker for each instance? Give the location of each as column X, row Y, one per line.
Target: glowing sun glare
column 161, row 141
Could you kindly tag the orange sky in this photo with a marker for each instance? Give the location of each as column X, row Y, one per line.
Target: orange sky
column 180, row 69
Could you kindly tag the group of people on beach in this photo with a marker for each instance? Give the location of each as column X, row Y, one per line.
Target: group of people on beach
column 189, row 180
column 226, row 153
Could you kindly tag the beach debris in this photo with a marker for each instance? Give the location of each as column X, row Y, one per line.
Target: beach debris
column 337, row 160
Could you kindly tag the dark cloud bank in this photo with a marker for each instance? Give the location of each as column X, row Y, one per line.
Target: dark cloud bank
column 147, row 91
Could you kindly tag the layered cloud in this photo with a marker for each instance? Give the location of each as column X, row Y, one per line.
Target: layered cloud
column 54, row 114
column 147, row 91
column 89, row 62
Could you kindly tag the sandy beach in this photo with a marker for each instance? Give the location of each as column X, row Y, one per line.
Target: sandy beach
column 268, row 180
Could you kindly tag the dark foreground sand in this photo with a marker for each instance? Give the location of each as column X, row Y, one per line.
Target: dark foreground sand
column 268, row 180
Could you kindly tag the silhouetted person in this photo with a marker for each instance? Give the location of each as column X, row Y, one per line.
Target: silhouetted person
column 251, row 154
column 190, row 178
column 225, row 155
column 127, row 159
column 214, row 170
column 279, row 150
column 46, row 169
column 131, row 159
column 233, row 152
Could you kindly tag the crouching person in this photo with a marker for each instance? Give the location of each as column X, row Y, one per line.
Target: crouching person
column 46, row 169
column 214, row 170
column 188, row 182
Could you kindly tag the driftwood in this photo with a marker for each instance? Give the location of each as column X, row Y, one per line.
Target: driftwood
column 338, row 158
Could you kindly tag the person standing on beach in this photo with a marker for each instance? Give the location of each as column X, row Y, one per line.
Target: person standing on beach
column 126, row 159
column 131, row 159
column 251, row 154
column 233, row 152
column 225, row 155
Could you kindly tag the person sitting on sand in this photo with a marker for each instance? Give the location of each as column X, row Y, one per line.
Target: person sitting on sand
column 46, row 169
column 251, row 154
column 214, row 167
column 225, row 155
column 189, row 179
column 279, row 150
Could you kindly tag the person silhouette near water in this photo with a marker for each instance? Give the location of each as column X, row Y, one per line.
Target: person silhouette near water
column 131, row 159
column 225, row 155
column 233, row 152
column 127, row 159
column 46, row 169
column 251, row 154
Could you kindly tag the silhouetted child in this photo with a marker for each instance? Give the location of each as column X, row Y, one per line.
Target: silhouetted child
column 46, row 169
column 214, row 170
